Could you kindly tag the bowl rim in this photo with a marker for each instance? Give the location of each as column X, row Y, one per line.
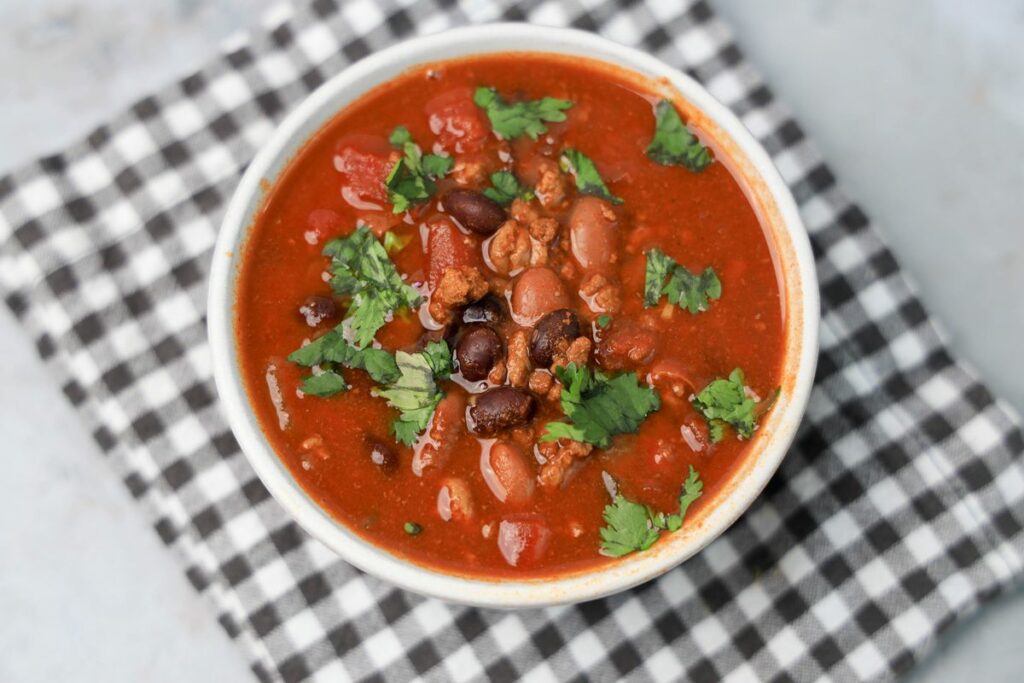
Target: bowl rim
column 380, row 67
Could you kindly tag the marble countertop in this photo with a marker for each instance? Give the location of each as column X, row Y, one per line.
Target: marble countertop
column 919, row 108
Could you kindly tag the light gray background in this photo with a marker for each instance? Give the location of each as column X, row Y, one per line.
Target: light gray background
column 919, row 107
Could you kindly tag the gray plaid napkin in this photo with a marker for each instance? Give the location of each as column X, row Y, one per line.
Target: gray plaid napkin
column 898, row 510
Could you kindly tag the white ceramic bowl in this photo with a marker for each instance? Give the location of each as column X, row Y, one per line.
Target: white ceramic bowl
column 731, row 141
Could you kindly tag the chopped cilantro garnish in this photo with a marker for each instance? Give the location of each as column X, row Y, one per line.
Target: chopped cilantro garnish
column 505, row 188
column 360, row 268
column 631, row 527
column 411, row 179
column 415, row 393
column 393, row 243
column 588, row 180
column 412, row 528
column 325, row 384
column 673, row 144
column 527, row 117
column 726, row 402
column 332, row 348
column 603, row 321
column 598, row 408
column 683, row 288
column 628, row 528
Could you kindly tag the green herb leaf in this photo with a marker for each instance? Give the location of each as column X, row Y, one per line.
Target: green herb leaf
column 415, row 393
column 632, row 527
column 412, row 528
column 726, row 402
column 588, row 180
column 437, row 166
column 513, row 119
column 603, row 321
column 673, row 144
column 683, row 288
column 629, row 528
column 393, row 243
column 360, row 268
column 505, row 188
column 411, row 179
column 325, row 384
column 598, row 407
column 332, row 348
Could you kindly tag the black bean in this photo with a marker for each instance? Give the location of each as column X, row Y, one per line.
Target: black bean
column 554, row 330
column 382, row 455
column 489, row 309
column 317, row 309
column 502, row 408
column 477, row 351
column 474, row 211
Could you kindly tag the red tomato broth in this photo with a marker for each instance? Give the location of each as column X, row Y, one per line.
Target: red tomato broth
column 699, row 219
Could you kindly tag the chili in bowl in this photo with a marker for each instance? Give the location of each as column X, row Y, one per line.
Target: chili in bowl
column 513, row 316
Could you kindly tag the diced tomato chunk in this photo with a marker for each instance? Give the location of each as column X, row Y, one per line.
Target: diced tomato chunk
column 523, row 540
column 447, row 248
column 363, row 164
column 456, row 121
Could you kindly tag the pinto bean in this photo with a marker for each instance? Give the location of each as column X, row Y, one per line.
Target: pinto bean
column 477, row 351
column 499, row 409
column 537, row 291
column 554, row 330
column 474, row 211
column 488, row 310
column 507, row 473
column 454, row 500
column 593, row 233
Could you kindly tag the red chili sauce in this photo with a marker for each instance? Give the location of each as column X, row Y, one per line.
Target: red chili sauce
column 516, row 290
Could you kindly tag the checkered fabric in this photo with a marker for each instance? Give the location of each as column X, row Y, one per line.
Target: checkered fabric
column 899, row 508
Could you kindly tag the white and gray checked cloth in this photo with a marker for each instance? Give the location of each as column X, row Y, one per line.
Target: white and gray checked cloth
column 898, row 510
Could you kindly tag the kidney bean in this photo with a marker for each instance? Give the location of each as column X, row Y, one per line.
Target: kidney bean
column 557, row 328
column 499, row 409
column 474, row 211
column 537, row 291
column 523, row 539
column 477, row 351
column 593, row 233
column 445, row 428
column 507, row 473
column 382, row 455
column 317, row 309
column 489, row 310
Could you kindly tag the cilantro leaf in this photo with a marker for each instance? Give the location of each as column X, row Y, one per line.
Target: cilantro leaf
column 603, row 321
column 325, row 384
column 629, row 528
column 394, row 243
column 332, row 348
column 415, row 393
column 693, row 488
column 513, row 119
column 683, row 289
column 437, row 166
column 673, row 144
column 727, row 402
column 588, row 180
column 632, row 527
column 505, row 188
column 411, row 179
column 360, row 268
column 598, row 407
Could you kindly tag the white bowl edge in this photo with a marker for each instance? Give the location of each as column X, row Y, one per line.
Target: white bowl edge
column 273, row 157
